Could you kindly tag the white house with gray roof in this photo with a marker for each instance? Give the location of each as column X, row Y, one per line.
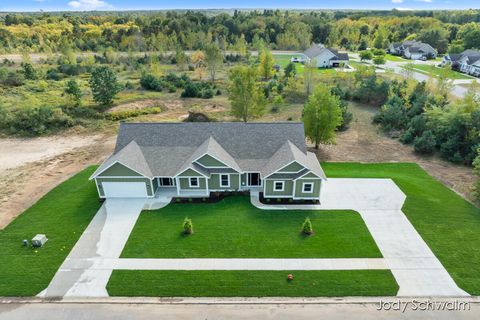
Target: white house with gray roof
column 195, row 159
column 325, row 57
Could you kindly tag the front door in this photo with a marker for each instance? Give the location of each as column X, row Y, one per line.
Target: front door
column 253, row 179
column 166, row 182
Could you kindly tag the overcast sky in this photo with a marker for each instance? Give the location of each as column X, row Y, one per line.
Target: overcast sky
column 49, row 5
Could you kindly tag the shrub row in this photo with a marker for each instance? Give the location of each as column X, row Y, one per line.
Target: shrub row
column 125, row 114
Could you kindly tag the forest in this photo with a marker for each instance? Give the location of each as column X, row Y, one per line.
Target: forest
column 233, row 30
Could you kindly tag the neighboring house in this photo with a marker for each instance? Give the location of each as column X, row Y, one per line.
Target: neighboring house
column 413, row 50
column 467, row 62
column 325, row 57
column 194, row 159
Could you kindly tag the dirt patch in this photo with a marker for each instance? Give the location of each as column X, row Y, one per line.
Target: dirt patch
column 15, row 152
column 364, row 142
column 22, row 186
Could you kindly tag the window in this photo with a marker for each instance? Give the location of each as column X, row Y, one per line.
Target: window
column 278, row 185
column 307, row 187
column 194, row 183
column 225, row 180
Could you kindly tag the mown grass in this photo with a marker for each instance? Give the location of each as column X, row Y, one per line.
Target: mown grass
column 252, row 283
column 449, row 224
column 233, row 228
column 62, row 214
column 435, row 71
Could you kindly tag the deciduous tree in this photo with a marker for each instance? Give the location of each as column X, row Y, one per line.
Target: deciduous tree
column 245, row 93
column 104, row 85
column 321, row 116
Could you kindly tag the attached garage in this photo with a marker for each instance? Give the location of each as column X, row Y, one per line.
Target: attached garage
column 125, row 189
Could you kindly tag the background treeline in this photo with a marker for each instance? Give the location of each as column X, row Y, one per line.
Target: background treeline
column 235, row 30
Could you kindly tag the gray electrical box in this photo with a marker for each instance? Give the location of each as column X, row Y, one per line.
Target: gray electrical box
column 39, row 240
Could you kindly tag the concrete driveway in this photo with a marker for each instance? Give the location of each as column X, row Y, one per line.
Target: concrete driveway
column 379, row 201
column 104, row 238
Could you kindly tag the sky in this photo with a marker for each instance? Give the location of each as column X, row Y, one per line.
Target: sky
column 81, row 5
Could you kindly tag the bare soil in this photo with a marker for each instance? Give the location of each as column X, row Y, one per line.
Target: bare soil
column 32, row 167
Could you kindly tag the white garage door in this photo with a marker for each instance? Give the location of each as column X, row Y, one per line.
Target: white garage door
column 124, row 189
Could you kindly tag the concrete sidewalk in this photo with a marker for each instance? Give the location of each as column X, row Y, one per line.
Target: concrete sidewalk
column 379, row 201
column 245, row 264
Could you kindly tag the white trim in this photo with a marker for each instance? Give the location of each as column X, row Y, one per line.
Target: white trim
column 278, row 170
column 206, row 153
column 122, row 177
column 178, row 174
column 228, row 180
column 275, row 186
column 190, row 182
column 116, row 161
column 311, row 184
column 177, row 184
column 98, row 189
column 309, row 171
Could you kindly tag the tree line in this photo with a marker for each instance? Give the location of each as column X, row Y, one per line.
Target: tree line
column 237, row 30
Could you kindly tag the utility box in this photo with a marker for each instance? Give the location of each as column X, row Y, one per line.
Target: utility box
column 39, row 240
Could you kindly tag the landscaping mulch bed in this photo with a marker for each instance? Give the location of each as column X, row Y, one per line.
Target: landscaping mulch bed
column 285, row 201
column 214, row 197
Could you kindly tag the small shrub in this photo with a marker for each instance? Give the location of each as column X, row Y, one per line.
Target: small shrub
column 190, row 200
column 187, row 226
column 178, row 200
column 126, row 114
column 290, row 200
column 307, row 227
column 279, row 200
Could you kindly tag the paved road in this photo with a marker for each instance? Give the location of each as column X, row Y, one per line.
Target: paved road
column 379, row 201
column 219, row 311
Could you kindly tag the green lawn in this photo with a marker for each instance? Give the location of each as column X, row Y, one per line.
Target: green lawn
column 284, row 59
column 233, row 228
column 252, row 283
column 391, row 57
column 432, row 70
column 448, row 224
column 62, row 215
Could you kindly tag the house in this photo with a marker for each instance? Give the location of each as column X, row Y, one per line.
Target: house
column 414, row 50
column 325, row 57
column 194, row 159
column 467, row 62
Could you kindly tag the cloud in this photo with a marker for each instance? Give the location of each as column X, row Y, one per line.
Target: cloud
column 397, row 1
column 404, row 9
column 89, row 4
column 427, row 1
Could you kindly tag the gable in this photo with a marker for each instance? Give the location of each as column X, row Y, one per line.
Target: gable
column 208, row 161
column 190, row 173
column 292, row 167
column 119, row 170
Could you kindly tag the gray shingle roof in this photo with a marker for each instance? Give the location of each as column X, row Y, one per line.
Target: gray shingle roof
column 314, row 50
column 166, row 149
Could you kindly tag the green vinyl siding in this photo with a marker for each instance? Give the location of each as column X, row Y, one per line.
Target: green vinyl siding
column 293, row 167
column 299, row 188
column 184, row 184
column 119, row 170
column 288, row 188
column 209, row 161
column 155, row 184
column 214, row 182
column 243, row 179
column 100, row 180
column 190, row 173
